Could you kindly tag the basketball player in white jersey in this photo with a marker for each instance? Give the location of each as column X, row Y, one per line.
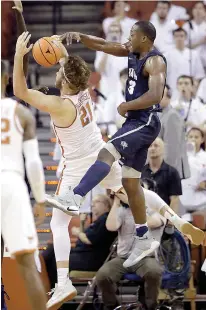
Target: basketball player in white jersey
column 80, row 140
column 17, row 222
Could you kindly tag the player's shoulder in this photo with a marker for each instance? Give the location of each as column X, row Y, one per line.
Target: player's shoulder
column 156, row 63
column 68, row 103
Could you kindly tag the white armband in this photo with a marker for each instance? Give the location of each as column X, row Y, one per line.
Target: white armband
column 34, row 169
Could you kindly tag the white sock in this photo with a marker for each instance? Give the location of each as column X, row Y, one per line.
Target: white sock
column 140, row 225
column 62, row 275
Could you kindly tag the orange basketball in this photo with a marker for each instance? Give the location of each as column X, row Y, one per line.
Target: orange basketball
column 46, row 52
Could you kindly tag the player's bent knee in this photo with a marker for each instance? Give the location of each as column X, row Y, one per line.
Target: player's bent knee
column 130, row 173
column 109, row 147
column 106, row 157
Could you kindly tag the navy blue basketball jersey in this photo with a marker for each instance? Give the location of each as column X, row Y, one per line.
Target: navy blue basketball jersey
column 137, row 83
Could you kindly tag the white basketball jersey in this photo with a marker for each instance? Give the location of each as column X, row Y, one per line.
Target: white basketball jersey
column 11, row 138
column 83, row 137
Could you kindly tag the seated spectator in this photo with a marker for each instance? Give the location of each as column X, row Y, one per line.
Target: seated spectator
column 173, row 135
column 182, row 61
column 113, row 101
column 120, row 219
column 109, row 67
column 190, row 109
column 164, row 26
column 201, row 93
column 166, row 178
column 196, row 29
column 92, row 247
column 176, row 12
column 194, row 188
column 116, row 29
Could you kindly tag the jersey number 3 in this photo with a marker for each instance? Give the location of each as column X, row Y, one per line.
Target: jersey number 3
column 5, row 127
column 131, row 87
column 85, row 115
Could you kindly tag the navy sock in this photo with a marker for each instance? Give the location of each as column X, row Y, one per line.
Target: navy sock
column 140, row 231
column 96, row 173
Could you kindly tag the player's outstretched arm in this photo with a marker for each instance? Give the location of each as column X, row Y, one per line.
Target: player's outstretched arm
column 33, row 163
column 21, row 27
column 50, row 104
column 97, row 44
column 155, row 68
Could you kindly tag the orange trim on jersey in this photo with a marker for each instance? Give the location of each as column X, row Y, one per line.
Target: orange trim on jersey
column 59, row 141
column 23, row 252
column 60, row 181
column 73, row 120
column 18, row 128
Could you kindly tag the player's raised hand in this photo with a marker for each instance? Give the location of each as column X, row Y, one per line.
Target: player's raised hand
column 122, row 110
column 70, row 36
column 21, row 44
column 39, row 212
column 18, row 6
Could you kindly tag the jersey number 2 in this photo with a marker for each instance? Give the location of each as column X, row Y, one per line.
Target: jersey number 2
column 86, row 115
column 5, row 127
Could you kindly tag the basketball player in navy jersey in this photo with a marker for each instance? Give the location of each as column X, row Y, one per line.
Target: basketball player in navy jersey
column 144, row 91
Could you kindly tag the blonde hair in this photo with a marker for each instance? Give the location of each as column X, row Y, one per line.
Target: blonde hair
column 104, row 199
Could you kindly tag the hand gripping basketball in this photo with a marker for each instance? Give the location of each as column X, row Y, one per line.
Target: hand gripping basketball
column 21, row 44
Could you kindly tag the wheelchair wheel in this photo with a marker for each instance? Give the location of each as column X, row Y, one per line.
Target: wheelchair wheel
column 133, row 306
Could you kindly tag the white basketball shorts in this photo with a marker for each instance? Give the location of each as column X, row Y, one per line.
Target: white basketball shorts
column 17, row 222
column 74, row 171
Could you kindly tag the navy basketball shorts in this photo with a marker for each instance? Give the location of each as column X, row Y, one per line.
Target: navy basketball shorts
column 131, row 142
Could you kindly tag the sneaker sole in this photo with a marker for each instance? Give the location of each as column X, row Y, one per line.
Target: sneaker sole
column 60, row 303
column 54, row 204
column 195, row 234
column 155, row 245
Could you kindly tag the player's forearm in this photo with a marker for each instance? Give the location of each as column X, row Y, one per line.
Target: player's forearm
column 145, row 101
column 34, row 169
column 19, row 80
column 92, row 42
column 21, row 27
column 99, row 44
